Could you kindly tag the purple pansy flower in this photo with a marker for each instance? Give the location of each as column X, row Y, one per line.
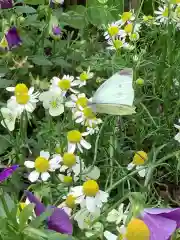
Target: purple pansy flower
column 56, row 30
column 13, row 38
column 7, row 172
column 59, row 221
column 5, row 4
column 162, row 222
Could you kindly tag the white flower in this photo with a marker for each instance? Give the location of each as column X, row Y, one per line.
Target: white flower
column 162, row 14
column 110, row 236
column 42, row 165
column 142, row 170
column 24, row 98
column 118, row 216
column 77, row 102
column 84, row 218
column 116, row 43
column 90, row 196
column 63, row 84
column 84, row 76
column 75, row 139
column 53, row 101
column 96, row 229
column 9, row 116
column 91, row 172
column 177, row 137
column 114, row 30
column 121, row 230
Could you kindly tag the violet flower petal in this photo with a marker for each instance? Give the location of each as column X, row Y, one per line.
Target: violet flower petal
column 5, row 4
column 7, row 172
column 13, row 38
column 160, row 228
column 56, row 30
column 170, row 213
column 39, row 207
column 60, row 222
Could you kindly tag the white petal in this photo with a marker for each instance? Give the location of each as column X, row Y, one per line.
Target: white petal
column 79, row 120
column 103, row 196
column 10, row 89
column 29, row 164
column 113, row 216
column 77, row 191
column 79, row 147
column 94, row 172
column 45, row 176
column 45, row 154
column 71, row 147
column 142, row 172
column 63, row 168
column 177, row 137
column 109, row 236
column 85, row 144
column 77, row 114
column 33, row 176
column 70, row 104
column 61, row 177
column 56, row 111
column 31, row 90
column 10, row 124
column 91, row 204
column 130, row 166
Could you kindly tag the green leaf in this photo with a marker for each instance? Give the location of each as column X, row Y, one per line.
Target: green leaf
column 9, row 203
column 41, row 61
column 38, row 220
column 5, row 143
column 34, row 2
column 34, row 233
column 4, row 83
column 25, row 9
column 25, row 214
column 61, row 62
column 58, row 236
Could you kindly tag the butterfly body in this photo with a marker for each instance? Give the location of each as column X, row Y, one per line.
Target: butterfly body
column 115, row 96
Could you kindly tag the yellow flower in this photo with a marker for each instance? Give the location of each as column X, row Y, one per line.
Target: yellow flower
column 140, row 157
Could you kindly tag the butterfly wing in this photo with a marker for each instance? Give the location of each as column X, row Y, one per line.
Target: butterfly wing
column 116, row 95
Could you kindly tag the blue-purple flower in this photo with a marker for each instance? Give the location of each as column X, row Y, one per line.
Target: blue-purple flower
column 59, row 221
column 7, row 172
column 11, row 39
column 5, row 4
column 56, row 30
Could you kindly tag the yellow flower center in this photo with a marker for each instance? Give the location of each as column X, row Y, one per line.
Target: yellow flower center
column 70, row 201
column 74, row 136
column 177, row 1
column 41, row 164
column 68, row 179
column 58, row 149
column 137, row 230
column 90, row 188
column 21, row 93
column 4, row 43
column 126, row 16
column 113, row 30
column 166, row 12
column 54, row 104
column 128, row 28
column 82, row 101
column 69, row 159
column 88, row 113
column 118, row 44
column 139, row 81
column 134, row 36
column 83, row 76
column 140, row 157
column 64, row 84
column 22, row 205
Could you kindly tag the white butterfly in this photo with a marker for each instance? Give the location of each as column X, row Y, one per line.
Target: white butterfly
column 116, row 95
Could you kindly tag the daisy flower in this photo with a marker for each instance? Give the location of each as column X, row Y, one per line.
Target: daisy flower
column 127, row 16
column 24, row 98
column 64, row 84
column 113, row 30
column 53, row 101
column 162, row 14
column 42, row 166
column 138, row 161
column 75, row 139
column 90, row 196
column 84, row 76
column 9, row 116
column 77, row 102
column 118, row 216
column 116, row 43
column 85, row 219
column 177, row 137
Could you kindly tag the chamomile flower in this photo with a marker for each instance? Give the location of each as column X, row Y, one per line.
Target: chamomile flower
column 68, row 204
column 177, row 137
column 9, row 116
column 162, row 14
column 91, row 172
column 83, row 77
column 77, row 102
column 90, row 196
column 134, row 36
column 42, row 167
column 138, row 161
column 148, row 20
column 118, row 216
column 75, row 139
column 113, row 30
column 127, row 16
column 53, row 101
column 64, row 84
column 94, row 128
column 131, row 28
column 66, row 179
column 24, row 98
column 85, row 219
column 116, row 43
